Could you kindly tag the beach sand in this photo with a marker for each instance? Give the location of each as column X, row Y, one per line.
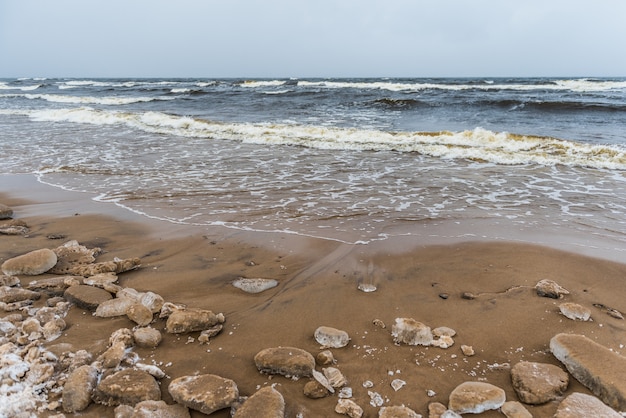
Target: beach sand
column 505, row 323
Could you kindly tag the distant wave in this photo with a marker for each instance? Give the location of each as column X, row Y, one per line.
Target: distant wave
column 478, row 145
column 579, row 85
column 5, row 86
column 105, row 100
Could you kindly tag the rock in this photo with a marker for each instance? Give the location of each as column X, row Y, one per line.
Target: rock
column 113, row 356
column 17, row 294
column 10, row 281
column 157, row 409
column 14, row 229
column 366, row 287
column 206, row 393
column 411, row 332
column 53, row 286
column 254, row 285
column 335, row 378
column 147, row 337
column 72, row 254
column 444, row 332
column 580, row 405
column 538, row 383
column 467, row 350
column 323, row 380
column 206, row 335
column 325, row 358
column 598, row 368
column 475, row 398
column 114, row 307
column 139, row 314
column 348, row 407
column 397, row 384
column 287, row 361
column 329, row 337
column 397, row 412
column 101, row 280
column 315, row 390
column 550, row 289
column 127, row 387
column 5, row 212
column 190, row 320
column 265, row 403
column 86, row 297
column 151, row 301
column 436, row 409
column 445, row 341
column 78, row 388
column 30, row 264
column 514, row 409
column 575, row 311
column 115, row 266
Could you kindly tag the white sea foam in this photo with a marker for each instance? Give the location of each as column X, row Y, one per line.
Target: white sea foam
column 478, row 144
column 262, row 83
column 5, row 86
column 579, row 85
column 105, row 100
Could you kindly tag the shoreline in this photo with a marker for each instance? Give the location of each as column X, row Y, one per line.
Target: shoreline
column 400, row 237
column 317, row 286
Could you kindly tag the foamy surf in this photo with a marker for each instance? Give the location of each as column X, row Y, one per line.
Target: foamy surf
column 479, row 144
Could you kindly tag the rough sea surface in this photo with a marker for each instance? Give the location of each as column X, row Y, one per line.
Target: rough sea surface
column 355, row 160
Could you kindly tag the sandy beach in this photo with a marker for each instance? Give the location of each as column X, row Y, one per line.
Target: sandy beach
column 504, row 320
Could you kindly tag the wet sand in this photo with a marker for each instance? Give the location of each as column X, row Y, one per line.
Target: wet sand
column 505, row 323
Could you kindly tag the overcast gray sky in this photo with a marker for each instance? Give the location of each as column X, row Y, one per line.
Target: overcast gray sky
column 321, row 38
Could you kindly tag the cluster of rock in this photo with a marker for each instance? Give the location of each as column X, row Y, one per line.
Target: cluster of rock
column 38, row 379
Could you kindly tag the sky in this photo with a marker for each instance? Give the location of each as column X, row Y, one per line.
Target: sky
column 321, row 38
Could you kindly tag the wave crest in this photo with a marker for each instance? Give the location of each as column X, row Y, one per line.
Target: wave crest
column 478, row 145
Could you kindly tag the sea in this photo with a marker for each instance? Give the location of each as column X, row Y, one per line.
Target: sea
column 433, row 160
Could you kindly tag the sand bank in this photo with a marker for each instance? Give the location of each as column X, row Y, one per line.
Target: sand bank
column 505, row 321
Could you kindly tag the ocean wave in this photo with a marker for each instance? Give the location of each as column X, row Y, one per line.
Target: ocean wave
column 105, row 100
column 579, row 85
column 262, row 83
column 5, row 86
column 479, row 145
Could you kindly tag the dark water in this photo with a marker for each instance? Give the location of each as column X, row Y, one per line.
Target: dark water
column 349, row 159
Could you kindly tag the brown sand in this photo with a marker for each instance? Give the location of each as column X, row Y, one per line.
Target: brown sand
column 506, row 323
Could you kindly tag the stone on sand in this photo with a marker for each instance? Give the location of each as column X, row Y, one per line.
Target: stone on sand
column 78, row 388
column 72, row 254
column 152, row 409
column 538, row 383
column 315, row 390
column 86, row 297
column 325, row 358
column 265, row 403
column 5, row 212
column 575, row 311
column 17, row 294
column 348, row 407
column 191, row 320
column 53, row 286
column 411, row 332
column 475, row 398
column 256, row 285
column 580, row 405
column 514, row 409
column 550, row 289
column 127, row 387
column 287, row 361
column 206, row 393
column 139, row 314
column 598, row 368
column 114, row 307
column 329, row 337
column 147, row 337
column 30, row 264
column 397, row 412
